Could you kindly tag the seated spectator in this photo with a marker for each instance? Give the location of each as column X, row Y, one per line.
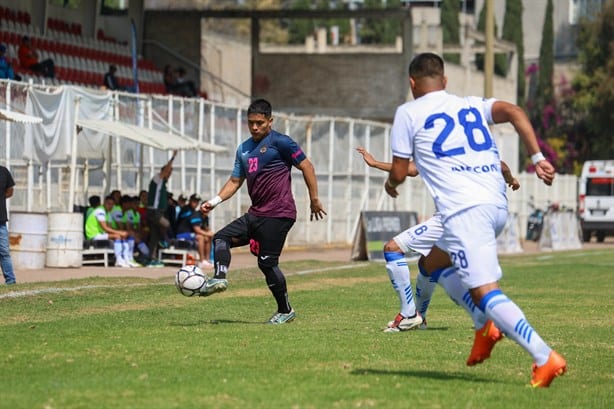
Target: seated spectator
column 28, row 58
column 110, row 80
column 190, row 228
column 169, row 79
column 177, row 84
column 184, row 86
column 6, row 70
column 97, row 227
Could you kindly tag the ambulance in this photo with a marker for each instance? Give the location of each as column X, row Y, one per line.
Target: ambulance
column 596, row 199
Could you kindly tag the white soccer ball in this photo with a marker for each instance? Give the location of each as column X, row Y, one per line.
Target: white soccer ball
column 189, row 280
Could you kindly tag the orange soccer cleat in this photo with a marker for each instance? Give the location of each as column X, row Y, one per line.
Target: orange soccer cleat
column 485, row 340
column 543, row 375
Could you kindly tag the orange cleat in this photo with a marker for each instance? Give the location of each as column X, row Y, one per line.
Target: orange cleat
column 543, row 375
column 485, row 340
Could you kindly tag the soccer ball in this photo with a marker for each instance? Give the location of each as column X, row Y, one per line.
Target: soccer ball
column 189, row 280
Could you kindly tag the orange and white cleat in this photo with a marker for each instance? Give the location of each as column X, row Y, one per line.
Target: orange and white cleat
column 543, row 375
column 483, row 343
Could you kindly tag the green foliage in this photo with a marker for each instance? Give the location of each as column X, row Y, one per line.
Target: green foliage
column 379, row 31
column 450, row 27
column 545, row 89
column 137, row 343
column 500, row 59
column 594, row 85
column 512, row 31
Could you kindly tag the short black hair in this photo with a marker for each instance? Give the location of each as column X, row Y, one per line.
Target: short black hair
column 94, row 201
column 260, row 106
column 426, row 65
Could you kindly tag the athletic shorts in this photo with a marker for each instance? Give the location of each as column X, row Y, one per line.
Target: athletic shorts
column 101, row 236
column 265, row 235
column 186, row 236
column 470, row 237
column 421, row 237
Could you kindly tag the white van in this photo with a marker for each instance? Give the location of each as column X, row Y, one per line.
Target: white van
column 596, row 199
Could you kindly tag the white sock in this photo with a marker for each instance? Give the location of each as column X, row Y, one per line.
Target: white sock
column 126, row 250
column 425, row 286
column 510, row 319
column 398, row 271
column 130, row 249
column 118, row 250
column 450, row 281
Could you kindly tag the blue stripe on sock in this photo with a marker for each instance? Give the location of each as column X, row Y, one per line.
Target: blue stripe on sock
column 487, row 298
column 393, row 256
column 408, row 294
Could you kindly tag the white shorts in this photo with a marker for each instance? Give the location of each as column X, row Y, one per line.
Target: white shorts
column 101, row 236
column 470, row 238
column 422, row 237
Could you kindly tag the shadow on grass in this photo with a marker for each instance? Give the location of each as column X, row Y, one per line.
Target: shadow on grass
column 437, row 375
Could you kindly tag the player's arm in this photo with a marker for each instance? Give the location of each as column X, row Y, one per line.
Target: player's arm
column 505, row 112
column 509, row 178
column 385, row 166
column 108, row 229
column 397, row 175
column 311, row 181
column 9, row 192
column 230, row 188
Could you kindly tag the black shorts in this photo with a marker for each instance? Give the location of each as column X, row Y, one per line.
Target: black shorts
column 265, row 235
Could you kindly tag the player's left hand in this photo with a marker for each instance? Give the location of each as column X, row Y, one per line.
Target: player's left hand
column 317, row 211
column 514, row 184
column 545, row 171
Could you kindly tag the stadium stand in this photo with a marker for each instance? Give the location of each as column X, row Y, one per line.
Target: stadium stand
column 79, row 60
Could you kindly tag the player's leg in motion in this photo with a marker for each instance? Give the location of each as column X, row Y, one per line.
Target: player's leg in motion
column 419, row 238
column 232, row 235
column 473, row 247
column 268, row 238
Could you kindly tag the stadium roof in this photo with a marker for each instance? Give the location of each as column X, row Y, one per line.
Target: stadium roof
column 150, row 137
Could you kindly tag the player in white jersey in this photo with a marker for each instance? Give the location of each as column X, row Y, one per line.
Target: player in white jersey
column 456, row 155
column 434, row 265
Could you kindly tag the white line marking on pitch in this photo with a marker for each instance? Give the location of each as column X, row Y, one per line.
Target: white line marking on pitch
column 55, row 290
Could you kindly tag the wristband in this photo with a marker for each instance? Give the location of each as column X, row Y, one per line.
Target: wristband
column 215, row 201
column 389, row 185
column 537, row 157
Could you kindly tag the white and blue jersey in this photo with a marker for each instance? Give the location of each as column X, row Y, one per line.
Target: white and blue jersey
column 449, row 136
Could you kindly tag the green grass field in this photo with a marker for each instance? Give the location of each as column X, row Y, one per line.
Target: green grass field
column 137, row 343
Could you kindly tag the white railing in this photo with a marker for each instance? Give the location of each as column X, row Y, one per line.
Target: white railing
column 346, row 184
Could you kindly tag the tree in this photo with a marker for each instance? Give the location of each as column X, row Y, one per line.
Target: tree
column 450, row 27
column 512, row 31
column 594, row 86
column 545, row 89
column 379, row 31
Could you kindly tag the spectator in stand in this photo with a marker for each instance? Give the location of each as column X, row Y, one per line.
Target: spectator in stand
column 177, row 84
column 169, row 79
column 28, row 58
column 110, row 80
column 185, row 87
column 6, row 70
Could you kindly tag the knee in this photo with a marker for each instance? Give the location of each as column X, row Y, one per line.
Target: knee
column 392, row 247
column 268, row 263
